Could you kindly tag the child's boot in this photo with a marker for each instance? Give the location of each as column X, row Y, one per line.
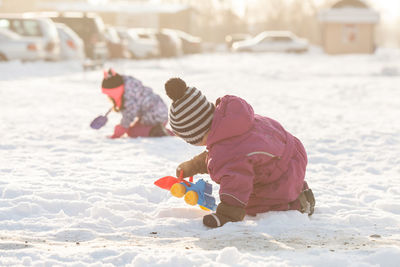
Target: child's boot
column 139, row 130
column 225, row 213
column 158, row 131
column 305, row 202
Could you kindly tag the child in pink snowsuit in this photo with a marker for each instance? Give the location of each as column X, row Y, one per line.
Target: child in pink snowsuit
column 143, row 112
column 259, row 166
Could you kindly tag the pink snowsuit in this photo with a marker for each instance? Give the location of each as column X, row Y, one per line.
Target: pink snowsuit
column 258, row 164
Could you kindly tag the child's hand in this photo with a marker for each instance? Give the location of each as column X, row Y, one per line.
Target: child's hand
column 225, row 213
column 119, row 131
column 187, row 168
column 194, row 166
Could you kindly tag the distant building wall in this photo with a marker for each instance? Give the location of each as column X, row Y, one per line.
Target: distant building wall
column 130, row 20
column 180, row 20
column 348, row 27
column 18, row 6
column 342, row 38
column 183, row 20
column 14, row 6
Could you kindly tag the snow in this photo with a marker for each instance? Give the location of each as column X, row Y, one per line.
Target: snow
column 72, row 197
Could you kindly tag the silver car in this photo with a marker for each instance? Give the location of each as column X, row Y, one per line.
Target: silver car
column 16, row 47
column 272, row 41
column 72, row 46
column 41, row 29
column 141, row 43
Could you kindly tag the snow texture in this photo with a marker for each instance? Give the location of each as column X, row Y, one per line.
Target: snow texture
column 72, row 197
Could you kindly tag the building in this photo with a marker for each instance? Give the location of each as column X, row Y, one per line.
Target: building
column 18, row 6
column 119, row 13
column 132, row 14
column 348, row 27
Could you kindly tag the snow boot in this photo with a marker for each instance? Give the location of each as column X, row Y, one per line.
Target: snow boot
column 307, row 201
column 158, row 131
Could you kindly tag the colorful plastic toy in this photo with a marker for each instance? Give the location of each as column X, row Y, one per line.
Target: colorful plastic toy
column 194, row 193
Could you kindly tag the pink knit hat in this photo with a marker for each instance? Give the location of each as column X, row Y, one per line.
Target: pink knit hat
column 113, row 86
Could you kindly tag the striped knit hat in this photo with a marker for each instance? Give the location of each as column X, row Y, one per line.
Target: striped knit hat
column 190, row 114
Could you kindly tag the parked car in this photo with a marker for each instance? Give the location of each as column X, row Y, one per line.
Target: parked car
column 272, row 41
column 190, row 44
column 72, row 46
column 142, row 43
column 90, row 28
column 16, row 47
column 236, row 37
column 42, row 29
column 169, row 42
column 117, row 47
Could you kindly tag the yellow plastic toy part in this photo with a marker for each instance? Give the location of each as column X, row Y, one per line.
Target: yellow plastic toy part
column 191, row 198
column 204, row 208
column 178, row 190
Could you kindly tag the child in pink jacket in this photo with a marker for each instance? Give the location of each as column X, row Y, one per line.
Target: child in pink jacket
column 259, row 166
column 143, row 112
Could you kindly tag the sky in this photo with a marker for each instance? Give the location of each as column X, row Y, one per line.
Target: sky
column 390, row 9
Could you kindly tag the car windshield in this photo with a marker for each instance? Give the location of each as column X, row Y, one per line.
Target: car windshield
column 83, row 26
column 66, row 32
column 51, row 29
column 131, row 34
column 281, row 39
column 272, row 37
column 261, row 37
column 99, row 24
column 24, row 27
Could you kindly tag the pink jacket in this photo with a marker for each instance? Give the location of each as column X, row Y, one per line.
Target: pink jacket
column 257, row 163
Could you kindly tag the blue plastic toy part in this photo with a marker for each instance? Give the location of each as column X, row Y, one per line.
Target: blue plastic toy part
column 204, row 192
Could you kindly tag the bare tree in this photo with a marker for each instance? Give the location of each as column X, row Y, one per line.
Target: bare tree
column 298, row 16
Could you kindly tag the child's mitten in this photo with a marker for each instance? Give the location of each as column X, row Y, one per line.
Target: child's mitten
column 119, row 131
column 225, row 213
column 194, row 166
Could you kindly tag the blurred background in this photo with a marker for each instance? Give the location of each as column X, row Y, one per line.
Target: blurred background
column 98, row 30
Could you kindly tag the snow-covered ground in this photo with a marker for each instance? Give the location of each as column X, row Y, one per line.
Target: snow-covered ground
column 72, row 197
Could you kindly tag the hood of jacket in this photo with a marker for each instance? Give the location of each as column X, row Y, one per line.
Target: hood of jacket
column 233, row 116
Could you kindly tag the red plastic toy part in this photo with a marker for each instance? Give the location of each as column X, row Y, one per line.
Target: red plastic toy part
column 168, row 181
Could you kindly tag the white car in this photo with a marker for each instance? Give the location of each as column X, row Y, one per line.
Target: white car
column 71, row 44
column 141, row 43
column 272, row 41
column 29, row 25
column 16, row 47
